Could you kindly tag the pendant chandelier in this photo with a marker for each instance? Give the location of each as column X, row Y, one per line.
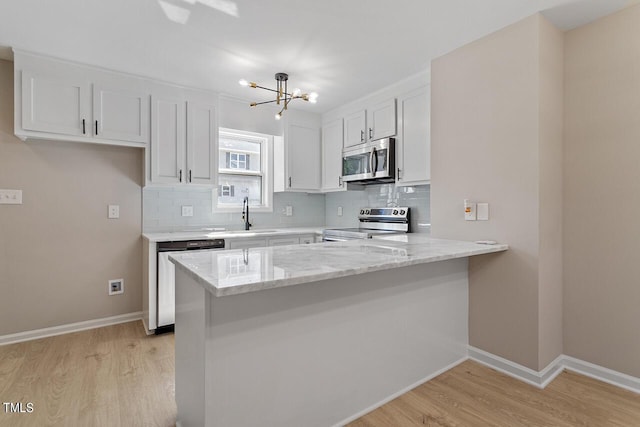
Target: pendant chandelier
column 282, row 93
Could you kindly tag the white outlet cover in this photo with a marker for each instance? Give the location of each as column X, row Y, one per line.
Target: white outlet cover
column 339, row 210
column 114, row 211
column 289, row 210
column 10, row 197
column 187, row 211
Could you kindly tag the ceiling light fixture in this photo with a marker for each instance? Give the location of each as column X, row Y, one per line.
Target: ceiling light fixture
column 282, row 93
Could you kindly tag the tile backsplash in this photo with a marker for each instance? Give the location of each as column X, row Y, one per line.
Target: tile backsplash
column 162, row 208
column 416, row 197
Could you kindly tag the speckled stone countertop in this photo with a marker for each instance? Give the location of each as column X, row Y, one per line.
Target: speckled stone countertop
column 239, row 271
column 228, row 234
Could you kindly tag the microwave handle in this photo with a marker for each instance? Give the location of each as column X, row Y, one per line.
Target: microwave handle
column 375, row 161
column 371, row 169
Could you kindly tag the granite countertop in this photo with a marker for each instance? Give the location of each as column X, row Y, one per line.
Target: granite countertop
column 228, row 234
column 239, row 271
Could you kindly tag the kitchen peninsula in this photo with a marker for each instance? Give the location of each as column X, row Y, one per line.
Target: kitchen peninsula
column 316, row 335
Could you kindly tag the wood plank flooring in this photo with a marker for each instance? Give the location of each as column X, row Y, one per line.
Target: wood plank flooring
column 118, row 376
column 473, row 395
column 112, row 376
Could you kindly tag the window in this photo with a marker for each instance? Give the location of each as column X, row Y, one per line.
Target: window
column 244, row 171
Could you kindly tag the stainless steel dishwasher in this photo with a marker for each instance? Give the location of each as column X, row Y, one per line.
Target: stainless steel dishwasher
column 166, row 304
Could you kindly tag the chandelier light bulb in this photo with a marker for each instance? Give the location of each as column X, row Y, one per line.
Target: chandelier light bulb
column 243, row 82
column 278, row 116
column 296, row 92
column 313, row 97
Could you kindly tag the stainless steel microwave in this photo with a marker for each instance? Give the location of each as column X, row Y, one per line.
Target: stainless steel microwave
column 370, row 163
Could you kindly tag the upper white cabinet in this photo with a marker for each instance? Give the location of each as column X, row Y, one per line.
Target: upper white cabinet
column 184, row 135
column 381, row 120
column 332, row 134
column 120, row 113
column 297, row 156
column 355, row 129
column 413, row 145
column 55, row 103
column 375, row 122
column 64, row 101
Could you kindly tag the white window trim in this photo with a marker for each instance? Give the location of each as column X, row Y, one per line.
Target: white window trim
column 266, row 160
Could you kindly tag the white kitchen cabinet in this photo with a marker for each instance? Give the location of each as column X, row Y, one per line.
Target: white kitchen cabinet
column 183, row 140
column 308, row 239
column 120, row 113
column 58, row 100
column 381, row 120
column 413, row 146
column 297, row 156
column 202, row 143
column 332, row 134
column 55, row 103
column 375, row 122
column 245, row 243
column 355, row 125
column 282, row 241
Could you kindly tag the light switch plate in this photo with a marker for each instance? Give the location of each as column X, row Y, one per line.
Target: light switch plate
column 483, row 211
column 187, row 211
column 10, row 197
column 114, row 211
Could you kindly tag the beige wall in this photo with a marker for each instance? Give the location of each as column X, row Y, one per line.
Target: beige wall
column 58, row 249
column 602, row 192
column 494, row 133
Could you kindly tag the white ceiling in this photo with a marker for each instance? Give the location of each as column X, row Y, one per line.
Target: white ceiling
column 342, row 49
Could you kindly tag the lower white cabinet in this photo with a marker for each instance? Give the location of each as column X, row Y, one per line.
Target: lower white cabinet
column 413, row 147
column 245, row 243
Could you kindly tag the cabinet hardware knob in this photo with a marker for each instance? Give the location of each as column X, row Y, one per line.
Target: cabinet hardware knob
column 289, row 182
column 362, row 136
column 370, row 133
column 180, row 175
column 84, row 127
column 190, row 175
column 96, row 128
column 399, row 178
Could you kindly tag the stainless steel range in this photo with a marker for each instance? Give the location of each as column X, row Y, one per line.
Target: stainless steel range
column 373, row 222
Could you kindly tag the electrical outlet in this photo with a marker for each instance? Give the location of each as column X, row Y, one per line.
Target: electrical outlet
column 114, row 211
column 339, row 210
column 10, row 197
column 187, row 211
column 116, row 286
column 289, row 211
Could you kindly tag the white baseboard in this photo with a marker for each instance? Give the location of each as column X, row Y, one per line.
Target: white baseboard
column 400, row 392
column 517, row 371
column 601, row 373
column 146, row 326
column 543, row 378
column 68, row 328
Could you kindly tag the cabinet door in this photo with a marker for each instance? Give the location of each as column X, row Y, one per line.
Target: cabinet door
column 282, row 241
column 120, row 114
column 381, row 119
column 168, row 135
column 303, row 157
column 332, row 156
column 354, row 128
column 202, row 144
column 56, row 104
column 414, row 143
column 245, row 243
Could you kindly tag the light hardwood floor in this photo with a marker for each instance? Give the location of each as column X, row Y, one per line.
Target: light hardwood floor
column 118, row 376
column 112, row 376
column 473, row 395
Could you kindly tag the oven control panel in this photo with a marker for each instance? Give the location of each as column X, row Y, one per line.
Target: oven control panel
column 391, row 213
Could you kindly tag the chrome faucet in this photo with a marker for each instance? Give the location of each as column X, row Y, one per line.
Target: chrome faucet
column 245, row 213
